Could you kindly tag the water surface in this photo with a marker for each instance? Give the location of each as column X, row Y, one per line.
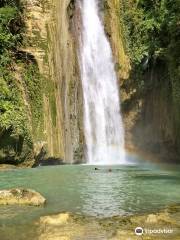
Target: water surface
column 80, row 189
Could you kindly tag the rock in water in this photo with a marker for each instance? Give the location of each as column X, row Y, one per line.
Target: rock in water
column 59, row 219
column 165, row 224
column 21, row 196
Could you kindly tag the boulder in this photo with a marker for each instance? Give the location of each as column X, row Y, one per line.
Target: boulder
column 21, row 196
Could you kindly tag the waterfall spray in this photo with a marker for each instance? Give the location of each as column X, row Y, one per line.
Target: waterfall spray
column 104, row 132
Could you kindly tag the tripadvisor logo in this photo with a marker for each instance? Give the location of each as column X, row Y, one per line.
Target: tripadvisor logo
column 139, row 231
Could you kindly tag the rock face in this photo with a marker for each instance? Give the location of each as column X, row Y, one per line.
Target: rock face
column 53, row 102
column 69, row 226
column 57, row 60
column 65, row 72
column 48, row 162
column 22, row 197
column 148, row 114
column 116, row 36
column 47, row 133
column 7, row 167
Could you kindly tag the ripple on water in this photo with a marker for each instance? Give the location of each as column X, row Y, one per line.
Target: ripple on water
column 81, row 189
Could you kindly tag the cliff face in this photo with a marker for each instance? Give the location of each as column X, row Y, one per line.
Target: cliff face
column 145, row 84
column 151, row 123
column 147, row 113
column 65, row 71
column 113, row 27
column 44, row 74
column 46, row 132
column 53, row 46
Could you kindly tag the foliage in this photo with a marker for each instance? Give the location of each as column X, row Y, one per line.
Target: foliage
column 11, row 3
column 33, row 82
column 9, row 29
column 14, row 124
column 148, row 26
column 152, row 35
column 13, row 116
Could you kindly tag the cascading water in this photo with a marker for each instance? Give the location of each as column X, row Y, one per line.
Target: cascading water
column 104, row 133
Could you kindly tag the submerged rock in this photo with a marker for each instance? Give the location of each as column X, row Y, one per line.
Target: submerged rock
column 21, row 196
column 67, row 226
column 59, row 219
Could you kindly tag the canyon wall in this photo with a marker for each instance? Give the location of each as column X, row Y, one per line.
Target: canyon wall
column 146, row 87
column 44, row 75
column 46, row 118
column 47, row 132
column 150, row 121
column 49, row 29
column 66, row 73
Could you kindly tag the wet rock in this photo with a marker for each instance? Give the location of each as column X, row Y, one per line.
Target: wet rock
column 42, row 160
column 152, row 218
column 159, row 218
column 67, row 226
column 48, row 162
column 21, row 196
column 59, row 219
column 7, row 167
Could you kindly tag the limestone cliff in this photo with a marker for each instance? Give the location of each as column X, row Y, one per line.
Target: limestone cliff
column 113, row 27
column 147, row 113
column 51, row 42
column 65, row 70
column 146, row 94
column 151, row 124
column 47, row 114
column 41, row 99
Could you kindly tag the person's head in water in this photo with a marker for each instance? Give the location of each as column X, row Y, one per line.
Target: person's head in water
column 109, row 170
column 96, row 168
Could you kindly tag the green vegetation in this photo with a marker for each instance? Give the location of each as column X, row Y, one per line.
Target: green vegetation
column 33, row 82
column 13, row 118
column 20, row 86
column 151, row 26
column 152, row 37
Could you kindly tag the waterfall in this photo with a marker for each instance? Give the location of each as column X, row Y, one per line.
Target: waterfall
column 104, row 132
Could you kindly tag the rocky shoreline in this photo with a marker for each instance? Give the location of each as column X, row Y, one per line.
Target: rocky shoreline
column 159, row 225
column 164, row 224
